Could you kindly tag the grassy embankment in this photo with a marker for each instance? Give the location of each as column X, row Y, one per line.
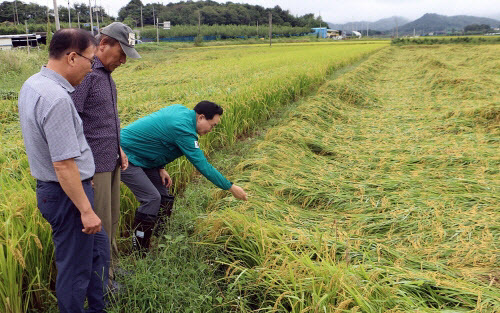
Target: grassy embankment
column 251, row 83
column 379, row 194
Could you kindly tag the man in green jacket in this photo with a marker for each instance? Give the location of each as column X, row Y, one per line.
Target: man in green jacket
column 156, row 140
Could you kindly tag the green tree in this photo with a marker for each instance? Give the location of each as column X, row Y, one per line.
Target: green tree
column 214, row 13
column 31, row 12
column 477, row 28
column 7, row 12
column 132, row 11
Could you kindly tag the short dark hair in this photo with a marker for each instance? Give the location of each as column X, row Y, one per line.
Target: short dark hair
column 209, row 109
column 70, row 39
column 106, row 39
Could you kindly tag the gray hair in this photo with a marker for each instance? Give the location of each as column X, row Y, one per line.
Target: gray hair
column 109, row 40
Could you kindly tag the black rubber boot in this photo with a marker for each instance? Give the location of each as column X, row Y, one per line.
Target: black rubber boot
column 167, row 203
column 143, row 229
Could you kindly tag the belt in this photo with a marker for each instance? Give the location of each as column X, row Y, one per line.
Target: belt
column 88, row 180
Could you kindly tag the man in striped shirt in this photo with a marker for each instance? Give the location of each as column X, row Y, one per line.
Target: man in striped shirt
column 96, row 102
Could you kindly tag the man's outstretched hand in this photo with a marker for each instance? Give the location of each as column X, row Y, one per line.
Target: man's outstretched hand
column 238, row 192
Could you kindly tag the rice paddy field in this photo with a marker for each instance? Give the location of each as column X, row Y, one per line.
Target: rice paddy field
column 378, row 194
column 252, row 82
column 372, row 171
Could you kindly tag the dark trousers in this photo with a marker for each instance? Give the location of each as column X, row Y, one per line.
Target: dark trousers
column 146, row 185
column 82, row 260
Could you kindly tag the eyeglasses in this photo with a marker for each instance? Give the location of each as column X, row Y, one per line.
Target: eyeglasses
column 92, row 61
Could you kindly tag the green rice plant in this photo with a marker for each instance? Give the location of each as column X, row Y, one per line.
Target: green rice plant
column 26, row 266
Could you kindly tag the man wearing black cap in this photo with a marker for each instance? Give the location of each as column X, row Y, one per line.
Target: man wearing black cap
column 95, row 101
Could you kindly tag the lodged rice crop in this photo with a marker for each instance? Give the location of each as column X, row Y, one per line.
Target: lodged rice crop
column 249, row 82
column 378, row 194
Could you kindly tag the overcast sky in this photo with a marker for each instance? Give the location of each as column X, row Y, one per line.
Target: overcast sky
column 336, row 11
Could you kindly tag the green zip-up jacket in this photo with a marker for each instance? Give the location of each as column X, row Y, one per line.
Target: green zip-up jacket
column 163, row 136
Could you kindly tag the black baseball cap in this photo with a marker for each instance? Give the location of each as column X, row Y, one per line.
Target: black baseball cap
column 125, row 36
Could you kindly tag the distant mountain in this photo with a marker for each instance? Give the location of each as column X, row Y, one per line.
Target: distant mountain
column 431, row 22
column 384, row 24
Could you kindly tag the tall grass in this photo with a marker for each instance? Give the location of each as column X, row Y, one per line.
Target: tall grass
column 16, row 67
column 250, row 83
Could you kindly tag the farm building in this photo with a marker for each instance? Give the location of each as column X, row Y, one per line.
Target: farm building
column 334, row 34
column 327, row 33
column 8, row 42
column 321, row 31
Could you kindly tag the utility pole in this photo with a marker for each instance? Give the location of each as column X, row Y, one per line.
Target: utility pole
column 78, row 17
column 270, row 28
column 49, row 30
column 27, row 41
column 257, row 28
column 199, row 22
column 157, row 32
column 352, row 27
column 69, row 15
column 96, row 9
column 91, row 21
column 16, row 17
column 154, row 19
column 142, row 24
column 397, row 31
column 56, row 16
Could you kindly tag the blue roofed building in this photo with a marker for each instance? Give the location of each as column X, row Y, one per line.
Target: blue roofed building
column 321, row 31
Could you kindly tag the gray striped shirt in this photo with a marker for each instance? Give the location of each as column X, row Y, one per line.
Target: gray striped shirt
column 52, row 130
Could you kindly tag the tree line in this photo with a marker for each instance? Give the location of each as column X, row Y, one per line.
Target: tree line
column 212, row 13
column 38, row 14
column 477, row 28
column 224, row 31
column 181, row 13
